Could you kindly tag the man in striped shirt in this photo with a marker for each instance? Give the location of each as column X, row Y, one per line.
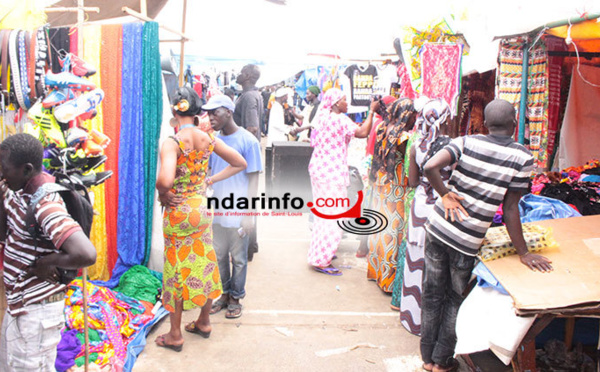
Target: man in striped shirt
column 31, row 326
column 489, row 170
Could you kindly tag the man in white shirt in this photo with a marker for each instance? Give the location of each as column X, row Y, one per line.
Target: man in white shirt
column 278, row 130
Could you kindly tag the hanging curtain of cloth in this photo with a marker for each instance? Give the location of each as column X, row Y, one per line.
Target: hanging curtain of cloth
column 510, row 72
column 441, row 72
column 91, row 54
column 131, row 228
column 111, row 70
column 152, row 110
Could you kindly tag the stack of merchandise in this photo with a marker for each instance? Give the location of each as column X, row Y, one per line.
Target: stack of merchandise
column 59, row 123
column 576, row 186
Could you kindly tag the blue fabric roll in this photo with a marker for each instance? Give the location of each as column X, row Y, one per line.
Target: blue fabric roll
column 538, row 208
column 131, row 223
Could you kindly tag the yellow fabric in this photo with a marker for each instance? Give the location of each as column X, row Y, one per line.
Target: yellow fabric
column 24, row 14
column 581, row 31
column 497, row 243
column 91, row 54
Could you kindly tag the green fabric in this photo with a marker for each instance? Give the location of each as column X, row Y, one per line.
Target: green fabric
column 79, row 362
column 408, row 197
column 139, row 283
column 314, row 90
column 93, row 336
column 152, row 102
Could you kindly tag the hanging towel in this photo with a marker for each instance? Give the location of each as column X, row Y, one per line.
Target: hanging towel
column 110, row 65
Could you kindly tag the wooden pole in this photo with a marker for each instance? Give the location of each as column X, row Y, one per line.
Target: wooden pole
column 84, row 272
column 64, row 10
column 143, row 8
column 182, row 52
column 142, row 17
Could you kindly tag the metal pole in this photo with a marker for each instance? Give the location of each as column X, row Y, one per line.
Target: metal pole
column 182, row 52
column 523, row 104
column 80, row 18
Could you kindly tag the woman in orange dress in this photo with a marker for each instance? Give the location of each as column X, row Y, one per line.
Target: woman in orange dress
column 191, row 274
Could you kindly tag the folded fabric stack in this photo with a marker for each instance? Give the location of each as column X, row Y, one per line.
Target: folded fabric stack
column 497, row 242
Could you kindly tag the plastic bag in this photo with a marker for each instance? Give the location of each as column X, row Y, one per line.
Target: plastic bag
column 497, row 243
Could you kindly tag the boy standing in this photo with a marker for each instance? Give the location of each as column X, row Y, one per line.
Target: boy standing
column 231, row 232
column 489, row 170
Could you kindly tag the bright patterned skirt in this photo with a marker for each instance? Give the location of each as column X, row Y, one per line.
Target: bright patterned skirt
column 191, row 272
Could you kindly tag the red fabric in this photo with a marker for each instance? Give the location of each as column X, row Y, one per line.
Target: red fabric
column 373, row 135
column 441, row 72
column 406, row 90
column 110, row 72
column 73, row 41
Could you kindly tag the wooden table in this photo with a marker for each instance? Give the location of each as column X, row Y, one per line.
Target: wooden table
column 571, row 290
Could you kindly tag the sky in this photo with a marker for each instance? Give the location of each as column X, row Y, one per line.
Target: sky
column 286, row 35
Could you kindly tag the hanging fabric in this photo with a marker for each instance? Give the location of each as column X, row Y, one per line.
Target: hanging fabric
column 110, row 66
column 152, row 109
column 91, row 54
column 131, row 229
column 537, row 103
column 441, row 72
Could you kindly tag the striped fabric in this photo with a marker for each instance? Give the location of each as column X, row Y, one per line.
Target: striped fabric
column 487, row 167
column 20, row 253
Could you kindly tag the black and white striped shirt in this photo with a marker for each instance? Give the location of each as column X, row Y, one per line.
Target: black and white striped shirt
column 486, row 168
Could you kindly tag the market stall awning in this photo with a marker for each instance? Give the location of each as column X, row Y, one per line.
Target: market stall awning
column 108, row 9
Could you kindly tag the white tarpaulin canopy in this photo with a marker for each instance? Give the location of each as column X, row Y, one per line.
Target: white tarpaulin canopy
column 282, row 36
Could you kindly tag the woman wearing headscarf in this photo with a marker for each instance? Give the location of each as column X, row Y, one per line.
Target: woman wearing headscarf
column 430, row 125
column 329, row 176
column 191, row 275
column 389, row 188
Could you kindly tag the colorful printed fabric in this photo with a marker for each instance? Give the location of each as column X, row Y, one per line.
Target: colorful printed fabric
column 113, row 315
column 510, row 72
column 406, row 89
column 441, row 72
column 537, row 103
column 190, row 270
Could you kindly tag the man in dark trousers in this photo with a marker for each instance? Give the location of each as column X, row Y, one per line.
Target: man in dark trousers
column 34, row 318
column 489, row 170
column 248, row 114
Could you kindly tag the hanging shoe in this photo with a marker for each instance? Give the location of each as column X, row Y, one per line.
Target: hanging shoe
column 52, row 134
column 88, row 115
column 91, row 148
column 72, row 63
column 76, row 136
column 92, row 178
column 68, row 80
column 93, row 163
column 84, row 103
column 57, row 97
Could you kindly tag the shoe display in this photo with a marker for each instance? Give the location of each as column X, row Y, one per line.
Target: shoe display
column 68, row 80
column 75, row 136
column 88, row 115
column 72, row 63
column 57, row 97
column 51, row 131
column 92, row 178
column 84, row 103
column 100, row 138
column 93, row 163
column 91, row 148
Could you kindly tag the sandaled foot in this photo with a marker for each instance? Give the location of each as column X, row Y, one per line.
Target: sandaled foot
column 428, row 367
column 329, row 270
column 218, row 306
column 161, row 341
column 452, row 367
column 233, row 311
column 194, row 328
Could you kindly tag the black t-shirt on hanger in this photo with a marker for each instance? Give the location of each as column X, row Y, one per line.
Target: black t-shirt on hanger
column 361, row 83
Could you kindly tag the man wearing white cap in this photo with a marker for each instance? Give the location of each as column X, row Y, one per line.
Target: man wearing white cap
column 231, row 230
column 278, row 130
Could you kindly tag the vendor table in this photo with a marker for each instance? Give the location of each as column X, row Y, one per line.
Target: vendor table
column 571, row 290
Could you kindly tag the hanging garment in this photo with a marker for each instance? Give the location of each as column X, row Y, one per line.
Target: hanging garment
column 441, row 72
column 362, row 80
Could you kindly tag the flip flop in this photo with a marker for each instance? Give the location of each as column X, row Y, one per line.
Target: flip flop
column 428, row 367
column 191, row 328
column 329, row 270
column 233, row 311
column 160, row 342
column 218, row 306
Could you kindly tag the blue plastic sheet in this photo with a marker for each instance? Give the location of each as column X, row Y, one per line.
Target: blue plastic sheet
column 538, row 208
column 486, row 279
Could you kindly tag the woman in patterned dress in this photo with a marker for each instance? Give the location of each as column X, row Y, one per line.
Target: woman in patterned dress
column 389, row 187
column 430, row 124
column 328, row 169
column 191, row 274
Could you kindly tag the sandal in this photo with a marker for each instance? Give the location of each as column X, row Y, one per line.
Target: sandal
column 329, row 270
column 233, row 311
column 218, row 306
column 193, row 328
column 160, row 342
column 428, row 367
column 452, row 367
